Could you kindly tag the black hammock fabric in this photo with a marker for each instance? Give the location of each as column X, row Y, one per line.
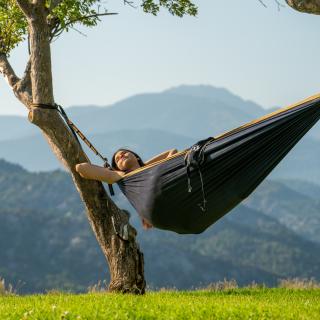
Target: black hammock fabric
column 188, row 195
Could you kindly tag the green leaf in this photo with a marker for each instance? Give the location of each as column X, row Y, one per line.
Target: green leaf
column 175, row 7
column 13, row 26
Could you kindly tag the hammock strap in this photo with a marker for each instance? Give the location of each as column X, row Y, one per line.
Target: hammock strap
column 76, row 132
column 204, row 200
column 195, row 158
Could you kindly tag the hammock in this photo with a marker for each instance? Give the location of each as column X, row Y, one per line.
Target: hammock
column 192, row 189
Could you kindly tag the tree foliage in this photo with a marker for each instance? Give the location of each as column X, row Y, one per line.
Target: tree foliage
column 65, row 14
column 13, row 25
column 70, row 12
column 175, row 7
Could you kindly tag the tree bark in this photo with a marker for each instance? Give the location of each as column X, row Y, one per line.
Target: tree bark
column 307, row 6
column 21, row 87
column 115, row 235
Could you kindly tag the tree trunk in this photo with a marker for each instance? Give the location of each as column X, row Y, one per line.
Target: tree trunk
column 115, row 235
column 307, row 6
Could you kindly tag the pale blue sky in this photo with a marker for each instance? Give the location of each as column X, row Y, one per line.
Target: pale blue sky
column 261, row 54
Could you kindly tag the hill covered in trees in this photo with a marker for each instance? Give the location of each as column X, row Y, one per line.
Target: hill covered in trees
column 46, row 241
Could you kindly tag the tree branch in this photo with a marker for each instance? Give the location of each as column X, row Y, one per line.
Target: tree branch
column 130, row 3
column 56, row 31
column 7, row 71
column 276, row 1
column 263, row 3
column 25, row 6
column 25, row 83
column 21, row 88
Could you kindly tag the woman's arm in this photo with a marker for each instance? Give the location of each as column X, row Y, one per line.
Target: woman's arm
column 93, row 172
column 162, row 156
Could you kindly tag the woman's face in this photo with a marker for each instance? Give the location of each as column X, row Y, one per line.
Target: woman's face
column 126, row 160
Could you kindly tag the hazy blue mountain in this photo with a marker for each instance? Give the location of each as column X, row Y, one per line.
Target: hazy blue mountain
column 195, row 117
column 223, row 95
column 34, row 153
column 16, row 127
column 315, row 133
column 187, row 115
column 302, row 162
column 151, row 123
column 272, row 109
column 304, row 187
column 298, row 212
column 46, row 241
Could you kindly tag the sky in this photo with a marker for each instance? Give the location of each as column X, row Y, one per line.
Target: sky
column 266, row 55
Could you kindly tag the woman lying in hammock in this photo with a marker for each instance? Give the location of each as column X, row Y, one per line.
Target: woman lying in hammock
column 123, row 161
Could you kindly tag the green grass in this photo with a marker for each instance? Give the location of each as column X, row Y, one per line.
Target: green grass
column 227, row 304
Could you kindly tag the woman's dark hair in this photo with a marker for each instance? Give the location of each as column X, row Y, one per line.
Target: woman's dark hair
column 114, row 164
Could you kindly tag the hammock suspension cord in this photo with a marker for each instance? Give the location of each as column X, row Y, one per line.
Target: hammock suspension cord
column 76, row 132
column 195, row 158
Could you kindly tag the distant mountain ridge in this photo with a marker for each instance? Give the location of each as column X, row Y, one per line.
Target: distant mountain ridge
column 15, row 127
column 151, row 123
column 220, row 94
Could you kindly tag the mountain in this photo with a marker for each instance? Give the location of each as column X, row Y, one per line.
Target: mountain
column 46, row 241
column 16, row 127
column 34, row 153
column 301, row 163
column 249, row 238
column 154, row 122
column 304, row 187
column 221, row 95
column 183, row 115
column 298, row 212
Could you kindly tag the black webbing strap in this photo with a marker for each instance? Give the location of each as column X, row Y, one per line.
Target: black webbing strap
column 195, row 158
column 76, row 132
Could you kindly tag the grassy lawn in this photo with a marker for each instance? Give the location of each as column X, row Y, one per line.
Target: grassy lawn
column 227, row 304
